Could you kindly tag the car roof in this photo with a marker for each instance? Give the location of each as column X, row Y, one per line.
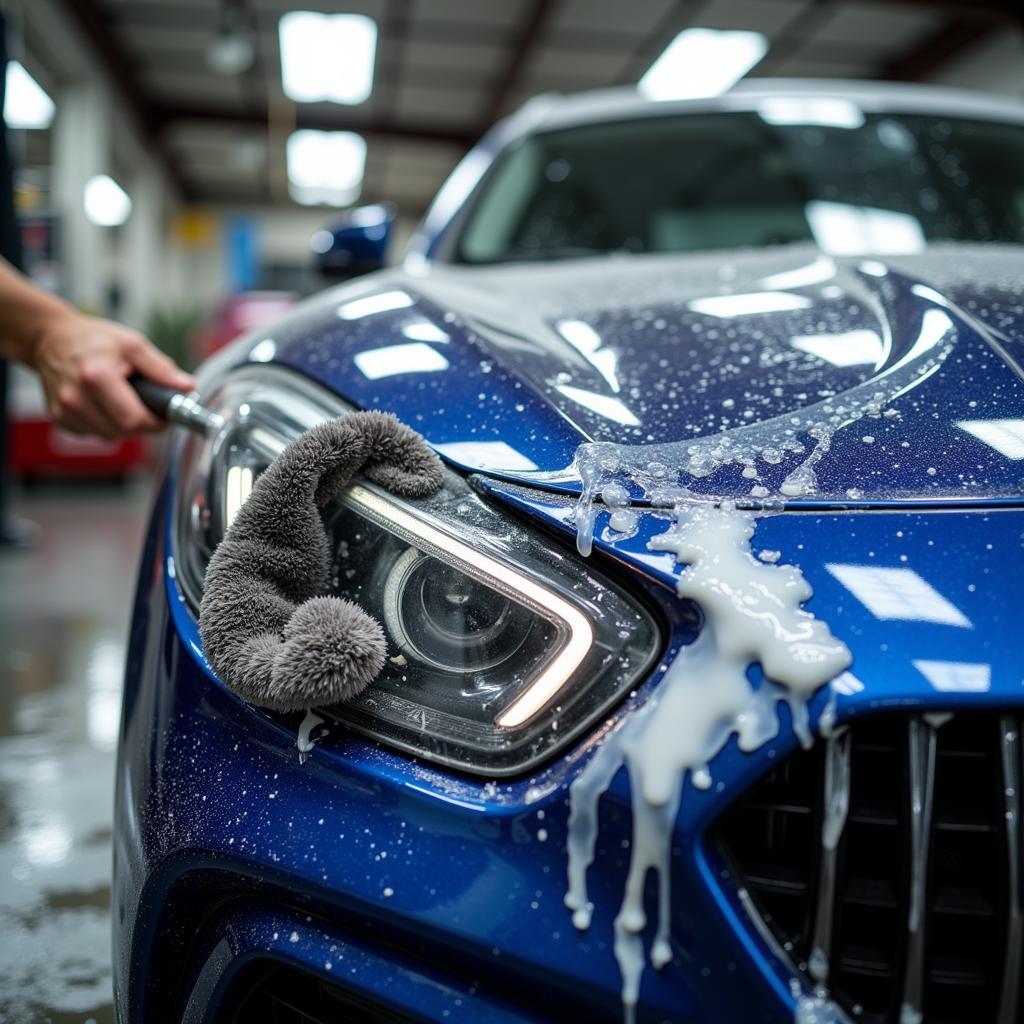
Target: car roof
column 555, row 110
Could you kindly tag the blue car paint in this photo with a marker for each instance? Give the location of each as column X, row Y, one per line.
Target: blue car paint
column 226, row 845
column 212, row 785
column 492, row 387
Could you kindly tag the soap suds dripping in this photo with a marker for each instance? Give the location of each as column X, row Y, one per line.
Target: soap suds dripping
column 753, row 616
column 303, row 740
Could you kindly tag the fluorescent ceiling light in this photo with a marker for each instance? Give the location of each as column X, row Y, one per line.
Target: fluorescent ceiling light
column 106, row 203
column 392, row 360
column 822, row 110
column 26, row 105
column 846, row 230
column 327, row 58
column 233, row 49
column 325, row 167
column 747, row 304
column 702, row 62
column 956, row 676
column 849, row 348
column 1005, row 436
column 898, row 594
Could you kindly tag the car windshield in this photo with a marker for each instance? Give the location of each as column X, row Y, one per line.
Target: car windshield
column 794, row 171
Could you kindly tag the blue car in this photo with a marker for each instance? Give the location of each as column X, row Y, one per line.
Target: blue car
column 793, row 314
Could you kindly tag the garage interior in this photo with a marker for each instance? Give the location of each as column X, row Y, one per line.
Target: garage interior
column 194, row 136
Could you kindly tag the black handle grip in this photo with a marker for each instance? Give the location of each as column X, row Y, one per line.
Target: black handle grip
column 155, row 397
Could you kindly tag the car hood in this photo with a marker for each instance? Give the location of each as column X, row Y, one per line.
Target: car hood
column 915, row 362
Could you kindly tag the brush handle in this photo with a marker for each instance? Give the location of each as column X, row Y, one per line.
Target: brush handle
column 175, row 406
column 155, row 397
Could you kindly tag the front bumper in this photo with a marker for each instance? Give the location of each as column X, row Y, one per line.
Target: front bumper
column 432, row 895
column 429, row 896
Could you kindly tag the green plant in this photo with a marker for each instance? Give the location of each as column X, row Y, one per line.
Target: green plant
column 171, row 330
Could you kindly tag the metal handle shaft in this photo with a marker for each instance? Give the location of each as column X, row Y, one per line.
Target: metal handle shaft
column 175, row 406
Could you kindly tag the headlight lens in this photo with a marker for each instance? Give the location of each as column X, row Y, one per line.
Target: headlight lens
column 503, row 647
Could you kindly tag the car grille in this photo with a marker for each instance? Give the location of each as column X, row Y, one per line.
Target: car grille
column 914, row 911
column 270, row 993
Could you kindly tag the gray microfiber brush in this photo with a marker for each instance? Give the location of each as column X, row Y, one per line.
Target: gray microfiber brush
column 267, row 631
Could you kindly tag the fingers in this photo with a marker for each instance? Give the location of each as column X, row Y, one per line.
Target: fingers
column 85, row 363
column 152, row 363
column 75, row 410
column 123, row 407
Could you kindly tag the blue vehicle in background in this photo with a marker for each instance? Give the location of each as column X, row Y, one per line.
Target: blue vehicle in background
column 606, row 269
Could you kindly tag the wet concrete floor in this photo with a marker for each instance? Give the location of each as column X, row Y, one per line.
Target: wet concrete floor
column 64, row 607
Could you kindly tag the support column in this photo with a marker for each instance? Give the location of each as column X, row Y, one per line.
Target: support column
column 144, row 244
column 82, row 149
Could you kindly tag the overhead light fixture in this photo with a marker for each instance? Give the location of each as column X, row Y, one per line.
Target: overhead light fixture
column 26, row 104
column 106, row 203
column 702, row 62
column 233, row 48
column 325, row 167
column 327, row 58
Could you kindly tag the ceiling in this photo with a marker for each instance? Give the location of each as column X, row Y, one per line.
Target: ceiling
column 447, row 68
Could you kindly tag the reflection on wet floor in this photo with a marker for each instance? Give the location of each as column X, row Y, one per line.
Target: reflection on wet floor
column 64, row 608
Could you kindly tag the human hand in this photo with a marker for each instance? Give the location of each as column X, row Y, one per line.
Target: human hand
column 84, row 363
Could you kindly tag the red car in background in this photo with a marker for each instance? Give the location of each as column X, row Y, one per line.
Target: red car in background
column 238, row 315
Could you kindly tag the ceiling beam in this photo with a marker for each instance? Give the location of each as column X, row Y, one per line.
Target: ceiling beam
column 323, row 117
column 92, row 23
column 991, row 11
column 942, row 47
column 537, row 15
column 795, row 34
column 394, row 33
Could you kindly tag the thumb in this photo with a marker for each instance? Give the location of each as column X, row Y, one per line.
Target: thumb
column 159, row 368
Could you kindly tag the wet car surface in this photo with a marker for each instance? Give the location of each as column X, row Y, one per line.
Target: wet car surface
column 406, row 852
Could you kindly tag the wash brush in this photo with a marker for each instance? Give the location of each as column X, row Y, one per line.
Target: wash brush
column 269, row 628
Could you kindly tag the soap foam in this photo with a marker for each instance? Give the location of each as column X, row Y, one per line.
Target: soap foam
column 805, row 434
column 753, row 616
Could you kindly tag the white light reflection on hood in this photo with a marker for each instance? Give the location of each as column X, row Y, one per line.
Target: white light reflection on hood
column 898, row 593
column 956, row 676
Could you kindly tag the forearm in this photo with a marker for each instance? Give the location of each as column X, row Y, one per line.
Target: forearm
column 26, row 313
column 84, row 363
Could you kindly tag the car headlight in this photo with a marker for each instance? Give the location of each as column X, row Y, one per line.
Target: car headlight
column 503, row 646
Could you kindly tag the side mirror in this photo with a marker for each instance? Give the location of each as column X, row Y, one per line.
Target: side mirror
column 357, row 243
